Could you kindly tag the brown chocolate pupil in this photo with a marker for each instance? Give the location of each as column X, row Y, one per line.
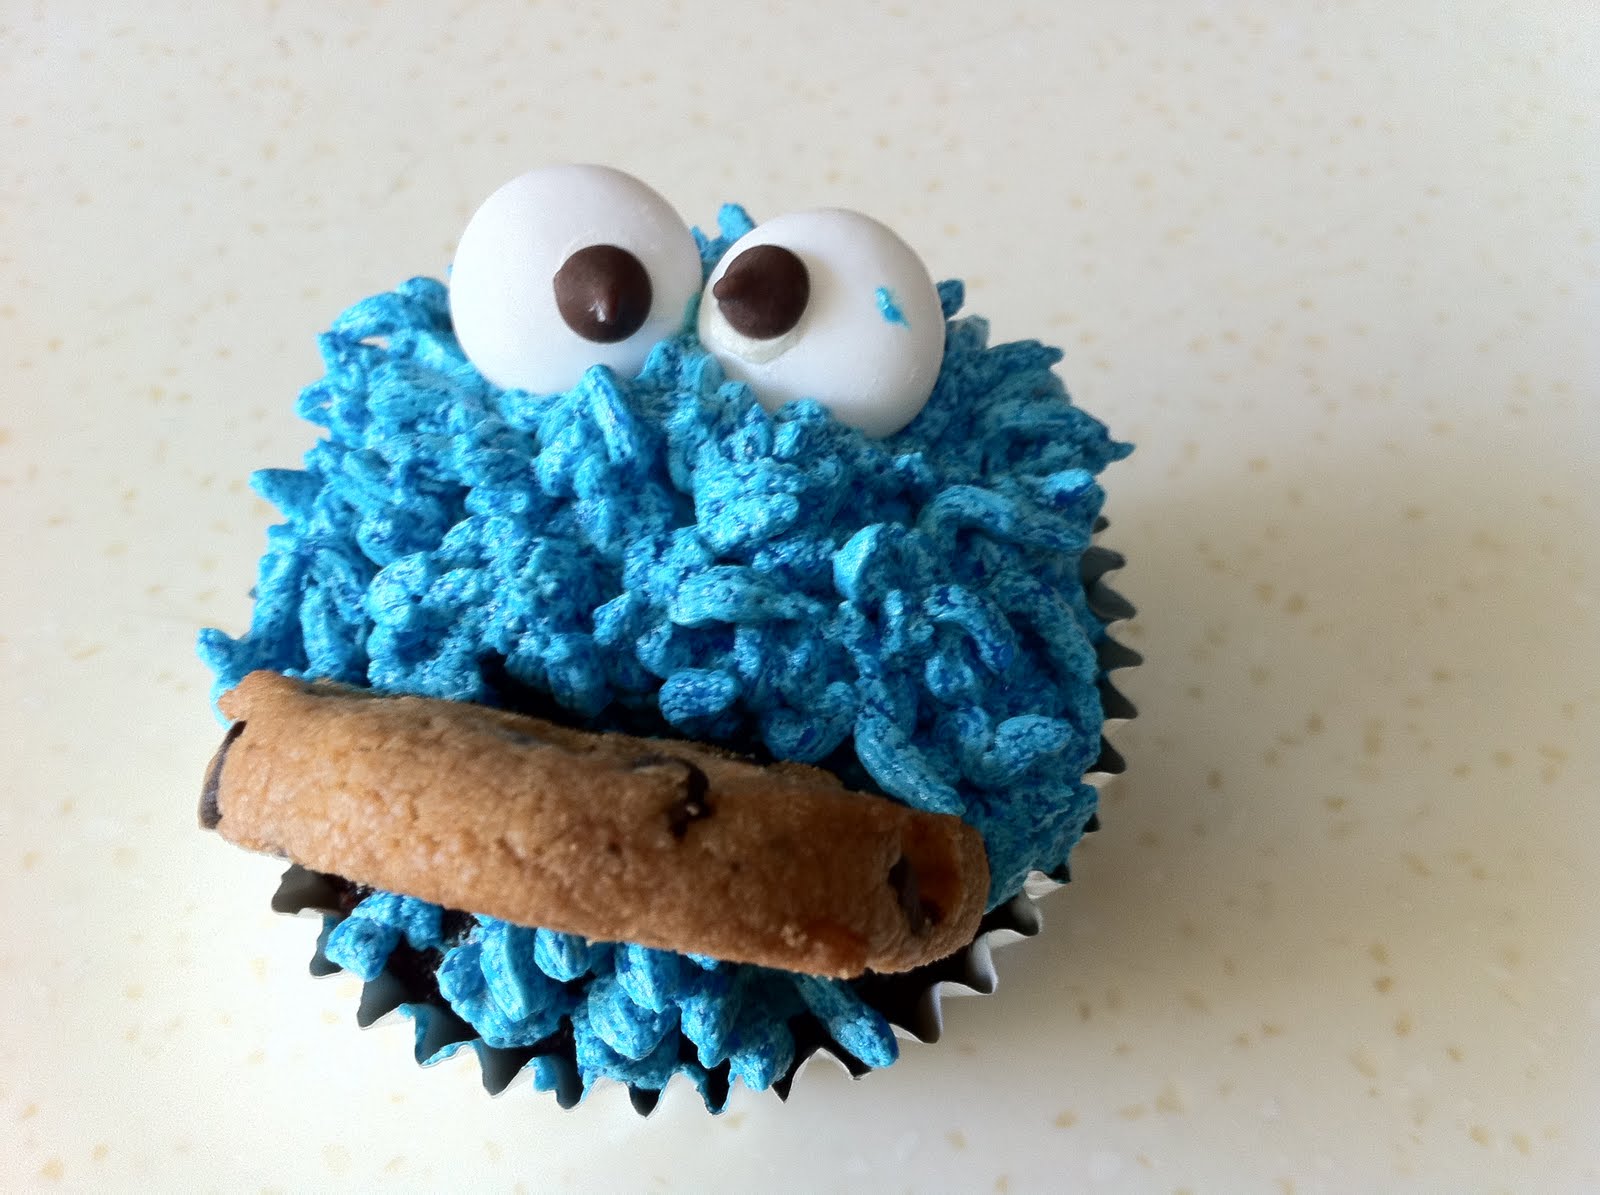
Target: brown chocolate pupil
column 603, row 293
column 764, row 292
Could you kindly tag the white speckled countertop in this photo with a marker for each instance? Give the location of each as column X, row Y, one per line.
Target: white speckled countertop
column 1334, row 268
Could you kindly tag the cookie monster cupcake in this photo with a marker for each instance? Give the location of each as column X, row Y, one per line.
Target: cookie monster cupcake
column 682, row 653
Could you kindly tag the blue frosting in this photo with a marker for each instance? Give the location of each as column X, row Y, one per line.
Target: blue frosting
column 908, row 609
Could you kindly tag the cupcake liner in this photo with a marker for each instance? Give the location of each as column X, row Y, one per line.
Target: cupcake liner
column 912, row 1001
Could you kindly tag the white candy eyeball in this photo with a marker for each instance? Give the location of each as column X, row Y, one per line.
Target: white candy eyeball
column 567, row 267
column 829, row 305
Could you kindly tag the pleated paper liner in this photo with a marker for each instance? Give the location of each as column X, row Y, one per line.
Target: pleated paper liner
column 912, row 1001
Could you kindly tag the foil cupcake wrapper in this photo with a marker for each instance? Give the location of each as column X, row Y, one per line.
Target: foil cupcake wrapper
column 912, row 1002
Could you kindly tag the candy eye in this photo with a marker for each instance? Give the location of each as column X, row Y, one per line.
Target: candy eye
column 567, row 267
column 828, row 305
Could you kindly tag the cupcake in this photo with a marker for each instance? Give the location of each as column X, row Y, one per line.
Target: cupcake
column 682, row 654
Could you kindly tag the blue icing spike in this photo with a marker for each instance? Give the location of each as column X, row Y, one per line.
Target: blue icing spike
column 756, row 1039
column 363, row 941
column 514, row 980
column 629, row 1029
column 461, row 980
column 662, row 545
column 361, row 946
column 548, row 1074
column 764, row 1052
column 651, row 978
column 597, row 1058
column 855, row 1025
column 952, row 296
column 565, row 957
column 709, row 1009
column 491, row 982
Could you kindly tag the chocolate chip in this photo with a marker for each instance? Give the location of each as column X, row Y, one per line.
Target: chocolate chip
column 210, row 809
column 603, row 293
column 764, row 292
column 692, row 806
column 920, row 914
column 518, row 735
